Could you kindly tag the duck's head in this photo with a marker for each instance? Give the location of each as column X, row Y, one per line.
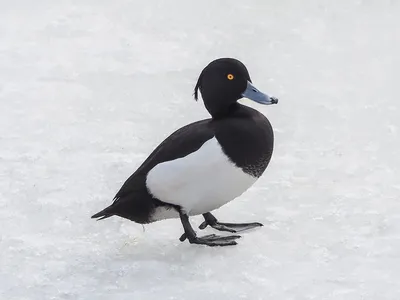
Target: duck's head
column 223, row 82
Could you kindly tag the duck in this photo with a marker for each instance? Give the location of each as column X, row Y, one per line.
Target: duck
column 206, row 164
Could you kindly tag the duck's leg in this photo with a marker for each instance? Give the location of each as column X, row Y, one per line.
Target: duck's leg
column 209, row 240
column 209, row 219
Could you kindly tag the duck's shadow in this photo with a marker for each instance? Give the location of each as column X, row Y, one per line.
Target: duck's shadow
column 174, row 252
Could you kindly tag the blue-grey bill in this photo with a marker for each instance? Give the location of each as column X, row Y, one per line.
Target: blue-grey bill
column 254, row 94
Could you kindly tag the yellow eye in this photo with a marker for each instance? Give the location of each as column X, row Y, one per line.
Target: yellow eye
column 230, row 76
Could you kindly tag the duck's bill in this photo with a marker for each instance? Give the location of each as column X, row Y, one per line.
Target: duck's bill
column 254, row 94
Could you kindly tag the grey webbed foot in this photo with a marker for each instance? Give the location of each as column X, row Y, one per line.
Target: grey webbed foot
column 230, row 227
column 211, row 240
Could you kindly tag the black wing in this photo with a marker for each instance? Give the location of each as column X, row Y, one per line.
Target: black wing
column 179, row 144
column 133, row 200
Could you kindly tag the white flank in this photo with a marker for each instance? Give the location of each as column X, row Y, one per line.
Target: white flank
column 199, row 182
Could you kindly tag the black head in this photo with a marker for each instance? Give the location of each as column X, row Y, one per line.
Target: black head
column 223, row 82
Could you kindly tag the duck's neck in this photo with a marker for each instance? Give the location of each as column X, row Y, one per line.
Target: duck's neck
column 226, row 112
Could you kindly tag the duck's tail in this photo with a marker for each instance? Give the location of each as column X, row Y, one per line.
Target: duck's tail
column 104, row 214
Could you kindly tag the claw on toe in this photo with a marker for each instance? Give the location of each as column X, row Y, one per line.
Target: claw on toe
column 203, row 225
column 183, row 237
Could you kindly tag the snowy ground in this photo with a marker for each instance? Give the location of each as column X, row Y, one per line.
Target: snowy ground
column 89, row 88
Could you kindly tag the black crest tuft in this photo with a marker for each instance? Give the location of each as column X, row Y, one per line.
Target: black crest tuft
column 196, row 88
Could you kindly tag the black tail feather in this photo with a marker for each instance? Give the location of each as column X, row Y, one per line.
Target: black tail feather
column 104, row 214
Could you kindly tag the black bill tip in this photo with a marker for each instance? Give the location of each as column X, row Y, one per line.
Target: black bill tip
column 274, row 100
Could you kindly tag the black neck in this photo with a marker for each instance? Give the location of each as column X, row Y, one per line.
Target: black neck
column 225, row 112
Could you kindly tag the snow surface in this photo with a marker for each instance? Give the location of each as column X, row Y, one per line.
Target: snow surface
column 88, row 88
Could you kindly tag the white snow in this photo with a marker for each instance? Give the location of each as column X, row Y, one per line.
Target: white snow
column 88, row 88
